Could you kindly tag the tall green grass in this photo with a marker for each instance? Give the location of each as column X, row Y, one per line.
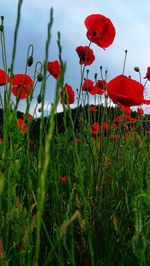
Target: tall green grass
column 99, row 216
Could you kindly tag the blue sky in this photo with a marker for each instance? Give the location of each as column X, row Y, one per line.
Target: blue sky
column 130, row 17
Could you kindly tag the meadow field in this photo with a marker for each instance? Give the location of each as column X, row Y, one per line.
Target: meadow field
column 74, row 186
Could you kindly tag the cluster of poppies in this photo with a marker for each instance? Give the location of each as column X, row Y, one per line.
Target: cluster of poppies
column 22, row 84
column 121, row 121
column 122, row 90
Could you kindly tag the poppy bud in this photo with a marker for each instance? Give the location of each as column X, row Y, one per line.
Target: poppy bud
column 39, row 77
column 40, row 109
column 87, row 71
column 136, row 69
column 1, row 27
column 30, row 61
column 2, row 19
column 95, row 77
column 39, row 98
column 9, row 73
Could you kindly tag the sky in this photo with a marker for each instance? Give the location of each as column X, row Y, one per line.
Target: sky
column 131, row 20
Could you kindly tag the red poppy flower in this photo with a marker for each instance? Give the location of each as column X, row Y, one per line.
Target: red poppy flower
column 133, row 129
column 94, row 90
column 105, row 126
column 87, row 85
column 78, row 140
column 63, row 179
column 67, row 95
column 22, row 85
column 126, row 91
column 147, row 74
column 130, row 119
column 1, row 139
column 22, row 125
column 95, row 128
column 140, row 111
column 86, row 55
column 101, row 85
column 120, row 118
column 127, row 136
column 93, row 108
column 113, row 125
column 4, row 78
column 54, row 68
column 100, row 30
column 125, row 109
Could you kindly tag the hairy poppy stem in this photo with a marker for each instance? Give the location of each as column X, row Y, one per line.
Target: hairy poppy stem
column 124, row 63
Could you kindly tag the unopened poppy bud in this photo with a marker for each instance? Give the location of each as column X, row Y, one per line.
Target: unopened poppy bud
column 1, row 27
column 30, row 61
column 95, row 76
column 39, row 98
column 40, row 109
column 39, row 77
column 136, row 69
column 58, row 34
column 2, row 19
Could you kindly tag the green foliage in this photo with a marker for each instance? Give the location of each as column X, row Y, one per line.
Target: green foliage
column 65, row 201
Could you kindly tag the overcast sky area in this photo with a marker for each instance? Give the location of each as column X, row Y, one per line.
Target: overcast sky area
column 131, row 19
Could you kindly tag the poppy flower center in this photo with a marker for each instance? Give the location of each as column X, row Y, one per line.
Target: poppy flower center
column 94, row 33
column 20, row 86
column 82, row 58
